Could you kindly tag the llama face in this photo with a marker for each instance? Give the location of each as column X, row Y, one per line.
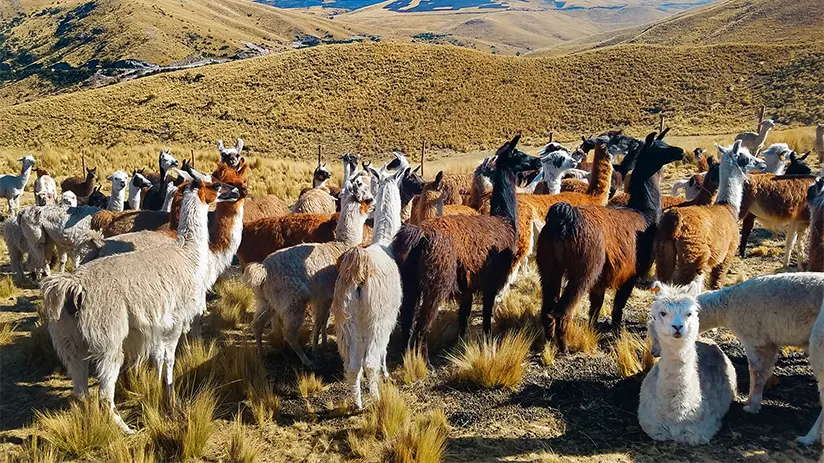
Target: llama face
column 675, row 311
column 167, row 161
column 68, row 199
column 322, row 174
column 230, row 156
column 28, row 161
column 412, row 184
column 508, row 157
column 741, row 158
column 767, row 124
column 558, row 162
column 119, row 180
column 139, row 181
column 661, row 151
column 91, row 174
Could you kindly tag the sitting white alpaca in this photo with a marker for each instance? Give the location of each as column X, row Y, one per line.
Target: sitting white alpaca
column 687, row 393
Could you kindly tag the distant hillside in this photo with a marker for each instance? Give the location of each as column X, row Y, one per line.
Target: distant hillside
column 373, row 97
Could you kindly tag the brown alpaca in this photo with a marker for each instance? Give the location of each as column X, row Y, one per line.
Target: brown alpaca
column 815, row 249
column 117, row 223
column 454, row 257
column 707, row 186
column 700, row 157
column 80, row 187
column 264, row 207
column 779, row 203
column 598, row 248
column 455, row 186
column 431, row 203
column 698, row 239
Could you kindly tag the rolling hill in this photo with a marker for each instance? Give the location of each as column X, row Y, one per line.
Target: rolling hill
column 373, row 97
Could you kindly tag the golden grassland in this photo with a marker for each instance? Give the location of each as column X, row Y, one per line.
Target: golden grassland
column 370, row 98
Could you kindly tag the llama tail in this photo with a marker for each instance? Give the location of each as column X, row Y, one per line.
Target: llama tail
column 562, row 220
column 354, row 269
column 255, row 274
column 61, row 291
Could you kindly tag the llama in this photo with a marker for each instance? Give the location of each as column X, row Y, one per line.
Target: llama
column 11, row 186
column 687, row 393
column 136, row 185
column 431, row 203
column 320, row 176
column 704, row 238
column 776, row 156
column 45, row 189
column 68, row 198
column 815, row 249
column 454, row 187
column 482, row 186
column 16, row 245
column 117, row 200
column 315, row 201
column 230, row 156
column 117, row 223
column 156, row 195
column 598, row 248
column 755, row 141
column 797, row 165
column 440, row 260
column 159, row 291
column 700, row 157
column 411, row 187
column 96, row 199
column 553, row 167
column 819, row 142
column 368, row 292
column 82, row 188
column 701, row 188
column 292, row 278
column 66, row 228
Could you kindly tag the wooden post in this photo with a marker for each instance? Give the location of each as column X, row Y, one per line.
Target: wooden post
column 761, row 117
column 83, row 163
column 661, row 124
column 423, row 154
column 193, row 158
column 551, row 135
column 320, row 153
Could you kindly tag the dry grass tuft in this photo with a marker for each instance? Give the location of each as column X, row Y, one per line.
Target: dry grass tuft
column 308, row 384
column 766, row 251
column 548, row 354
column 444, row 332
column 195, row 365
column 84, row 428
column 140, row 388
column 183, row 435
column 240, row 369
column 414, row 366
column 582, row 337
column 518, row 311
column 7, row 333
column 131, row 450
column 7, row 288
column 493, row 363
column 263, row 403
column 631, row 354
column 388, row 416
column 235, row 302
column 242, row 449
column 423, row 442
column 34, row 451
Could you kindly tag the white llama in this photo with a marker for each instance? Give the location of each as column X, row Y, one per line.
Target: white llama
column 11, row 186
column 687, row 393
column 68, row 198
column 776, row 158
column 136, row 185
column 755, row 141
column 117, row 200
column 230, row 156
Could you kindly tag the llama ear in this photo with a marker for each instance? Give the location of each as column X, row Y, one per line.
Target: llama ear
column 220, row 145
column 736, row 146
column 375, row 173
column 663, row 134
column 650, row 138
column 242, row 168
column 239, row 145
column 439, row 178
column 697, row 286
column 805, row 155
column 109, row 178
column 417, row 168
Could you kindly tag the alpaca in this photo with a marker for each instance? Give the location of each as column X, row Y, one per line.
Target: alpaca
column 704, row 238
column 454, row 257
column 68, row 198
column 137, row 183
column 158, row 292
column 261, row 207
column 700, row 157
column 775, row 157
column 117, row 199
column 797, row 166
column 315, row 201
column 755, row 141
column 292, row 278
column 16, row 245
column 431, row 203
column 82, row 188
column 45, row 189
column 230, row 156
column 819, row 142
column 598, row 248
column 368, row 291
column 156, row 195
column 779, row 204
column 11, row 186
column 687, row 393
column 815, row 248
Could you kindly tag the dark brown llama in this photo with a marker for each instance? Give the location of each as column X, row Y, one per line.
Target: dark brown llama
column 598, row 248
column 80, row 187
column 454, row 257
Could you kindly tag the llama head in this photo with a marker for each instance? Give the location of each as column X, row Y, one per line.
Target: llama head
column 351, row 161
column 69, row 199
column 674, row 312
column 557, row 162
column 42, row 198
column 797, row 165
column 91, row 174
column 41, row 172
column 231, row 155
column 483, row 173
column 587, row 144
column 775, row 156
column 602, row 152
column 412, row 183
column 166, row 160
column 321, row 174
column 188, row 173
column 510, row 158
column 236, row 178
column 139, row 180
column 210, row 192
column 655, row 154
column 28, row 161
column 767, row 124
column 738, row 161
column 119, row 181
column 359, row 188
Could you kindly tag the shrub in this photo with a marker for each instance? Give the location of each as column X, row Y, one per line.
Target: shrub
column 493, row 363
column 85, row 427
column 414, row 366
column 308, row 384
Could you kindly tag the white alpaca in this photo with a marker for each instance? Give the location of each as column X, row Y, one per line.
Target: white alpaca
column 230, row 156
column 368, row 291
column 11, row 186
column 158, row 292
column 16, row 245
column 136, row 185
column 117, row 200
column 45, row 189
column 755, row 141
column 68, row 198
column 776, row 158
column 291, row 279
column 66, row 227
column 687, row 393
column 553, row 166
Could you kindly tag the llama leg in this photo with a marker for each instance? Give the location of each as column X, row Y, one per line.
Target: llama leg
column 169, row 363
column 746, row 228
column 291, row 329
column 799, row 248
column 463, row 313
column 353, row 378
column 621, row 298
column 73, row 352
column 108, row 369
column 429, row 309
column 489, row 305
column 814, row 435
column 262, row 315
column 762, row 363
column 596, row 302
column 718, row 275
column 791, row 236
column 550, row 289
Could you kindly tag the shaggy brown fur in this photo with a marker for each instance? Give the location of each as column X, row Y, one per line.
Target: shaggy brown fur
column 264, row 207
column 454, row 185
column 117, row 223
column 779, row 203
column 315, row 201
column 82, row 188
column 431, row 203
column 596, row 248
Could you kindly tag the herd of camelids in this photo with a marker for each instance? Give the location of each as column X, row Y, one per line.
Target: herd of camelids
column 389, row 248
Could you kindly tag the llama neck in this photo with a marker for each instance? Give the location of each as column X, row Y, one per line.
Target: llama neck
column 134, row 196
column 644, row 193
column 678, row 383
column 552, row 178
column 731, row 187
column 816, row 245
column 504, row 203
column 226, row 231
column 406, row 205
column 349, row 230
column 714, row 306
column 762, row 134
column 23, row 178
column 387, row 215
column 428, row 206
column 601, row 176
column 776, row 166
column 316, row 183
column 193, row 228
column 116, row 200
column 169, row 197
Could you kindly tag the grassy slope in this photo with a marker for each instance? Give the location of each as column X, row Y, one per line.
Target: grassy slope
column 374, row 97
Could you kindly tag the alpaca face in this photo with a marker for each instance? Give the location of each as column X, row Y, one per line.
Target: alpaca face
column 230, row 156
column 119, row 181
column 68, row 199
column 167, row 161
column 139, row 181
column 28, row 161
column 675, row 311
column 557, row 162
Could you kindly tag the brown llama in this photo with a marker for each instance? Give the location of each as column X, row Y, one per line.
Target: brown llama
column 262, row 207
column 455, row 186
column 815, row 249
column 82, row 188
column 454, row 257
column 598, row 248
column 779, row 202
column 431, row 203
column 698, row 239
column 706, row 185
column 701, row 162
